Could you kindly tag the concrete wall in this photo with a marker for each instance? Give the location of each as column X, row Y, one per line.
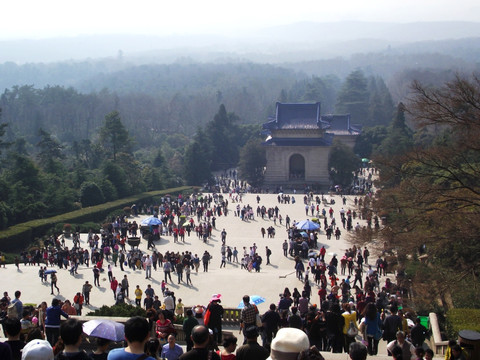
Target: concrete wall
column 316, row 163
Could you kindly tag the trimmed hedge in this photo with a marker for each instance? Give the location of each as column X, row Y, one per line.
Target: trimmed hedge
column 15, row 237
column 462, row 319
column 120, row 310
column 21, row 235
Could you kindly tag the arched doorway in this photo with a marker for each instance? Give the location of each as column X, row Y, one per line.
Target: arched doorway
column 297, row 167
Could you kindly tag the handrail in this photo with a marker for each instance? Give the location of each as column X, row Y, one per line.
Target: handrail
column 180, row 337
column 439, row 345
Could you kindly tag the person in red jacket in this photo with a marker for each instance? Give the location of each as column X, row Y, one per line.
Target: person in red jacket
column 113, row 286
column 78, row 303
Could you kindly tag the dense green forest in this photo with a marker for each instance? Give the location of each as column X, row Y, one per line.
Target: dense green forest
column 157, row 101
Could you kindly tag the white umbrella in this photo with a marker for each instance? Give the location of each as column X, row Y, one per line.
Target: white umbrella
column 105, row 329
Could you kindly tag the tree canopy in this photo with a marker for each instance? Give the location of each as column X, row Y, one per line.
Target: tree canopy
column 252, row 162
column 433, row 205
column 342, row 163
column 353, row 97
column 113, row 135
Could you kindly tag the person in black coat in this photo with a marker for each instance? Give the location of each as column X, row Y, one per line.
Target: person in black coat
column 215, row 321
column 335, row 322
column 391, row 324
column 270, row 321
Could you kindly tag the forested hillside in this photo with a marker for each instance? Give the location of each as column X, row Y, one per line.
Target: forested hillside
column 429, row 198
column 152, row 99
column 178, row 122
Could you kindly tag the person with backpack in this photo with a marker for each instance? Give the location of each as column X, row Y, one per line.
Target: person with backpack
column 371, row 328
column 350, row 327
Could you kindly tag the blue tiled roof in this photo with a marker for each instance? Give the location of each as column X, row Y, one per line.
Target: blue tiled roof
column 307, row 116
column 295, row 116
column 340, row 124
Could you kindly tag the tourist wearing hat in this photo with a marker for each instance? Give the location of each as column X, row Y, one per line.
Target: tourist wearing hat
column 215, row 318
column 37, row 349
column 288, row 344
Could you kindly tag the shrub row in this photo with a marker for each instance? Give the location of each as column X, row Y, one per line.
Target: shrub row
column 15, row 237
column 20, row 236
column 120, row 310
column 462, row 319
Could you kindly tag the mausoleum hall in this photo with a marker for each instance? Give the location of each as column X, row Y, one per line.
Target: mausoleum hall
column 299, row 142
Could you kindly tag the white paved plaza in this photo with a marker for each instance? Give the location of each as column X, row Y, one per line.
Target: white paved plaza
column 232, row 281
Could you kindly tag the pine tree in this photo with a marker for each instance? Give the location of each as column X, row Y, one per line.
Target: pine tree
column 353, row 97
column 113, row 135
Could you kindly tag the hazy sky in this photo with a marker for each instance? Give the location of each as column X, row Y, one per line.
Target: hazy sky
column 52, row 18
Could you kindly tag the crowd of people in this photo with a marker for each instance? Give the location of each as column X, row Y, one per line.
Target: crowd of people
column 334, row 326
column 140, row 344
column 352, row 303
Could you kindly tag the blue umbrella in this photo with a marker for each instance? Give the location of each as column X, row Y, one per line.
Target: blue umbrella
column 152, row 220
column 304, row 234
column 254, row 299
column 105, row 329
column 307, row 225
column 50, row 271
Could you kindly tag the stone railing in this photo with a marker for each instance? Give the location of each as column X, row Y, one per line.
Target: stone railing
column 438, row 345
column 230, row 318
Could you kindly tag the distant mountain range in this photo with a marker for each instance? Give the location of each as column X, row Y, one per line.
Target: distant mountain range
column 294, row 42
column 394, row 32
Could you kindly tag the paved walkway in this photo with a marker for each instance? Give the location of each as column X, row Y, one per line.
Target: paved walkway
column 231, row 281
